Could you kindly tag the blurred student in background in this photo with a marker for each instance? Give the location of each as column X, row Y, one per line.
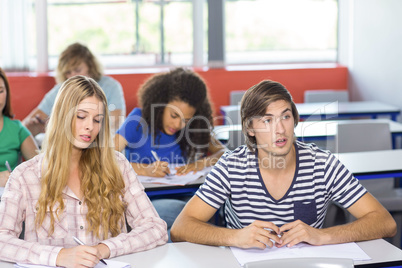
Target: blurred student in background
column 175, row 122
column 78, row 187
column 15, row 139
column 77, row 59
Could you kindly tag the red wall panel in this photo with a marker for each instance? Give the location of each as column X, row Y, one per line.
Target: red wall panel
column 27, row 90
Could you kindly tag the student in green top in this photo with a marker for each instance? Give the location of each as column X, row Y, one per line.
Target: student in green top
column 14, row 137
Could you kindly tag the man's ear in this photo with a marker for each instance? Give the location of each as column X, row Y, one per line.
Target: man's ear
column 250, row 132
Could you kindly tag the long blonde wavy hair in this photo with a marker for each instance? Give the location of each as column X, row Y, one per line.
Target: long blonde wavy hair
column 101, row 180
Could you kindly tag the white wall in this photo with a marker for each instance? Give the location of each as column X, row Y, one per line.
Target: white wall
column 371, row 47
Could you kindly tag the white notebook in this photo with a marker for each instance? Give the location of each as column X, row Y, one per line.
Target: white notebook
column 346, row 250
column 110, row 264
column 174, row 179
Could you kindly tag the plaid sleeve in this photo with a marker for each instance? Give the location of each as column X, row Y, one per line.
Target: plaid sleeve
column 12, row 213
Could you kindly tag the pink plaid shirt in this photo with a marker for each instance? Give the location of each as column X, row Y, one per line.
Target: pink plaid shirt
column 18, row 204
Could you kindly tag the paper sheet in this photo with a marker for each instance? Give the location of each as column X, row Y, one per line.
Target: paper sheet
column 110, row 264
column 174, row 179
column 302, row 250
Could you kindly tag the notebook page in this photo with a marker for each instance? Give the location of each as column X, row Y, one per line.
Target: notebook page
column 302, row 250
column 174, row 179
column 110, row 264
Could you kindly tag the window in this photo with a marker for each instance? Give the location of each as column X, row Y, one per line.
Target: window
column 272, row 31
column 146, row 33
column 124, row 33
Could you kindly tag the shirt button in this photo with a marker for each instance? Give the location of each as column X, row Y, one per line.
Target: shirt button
column 81, row 227
column 80, row 203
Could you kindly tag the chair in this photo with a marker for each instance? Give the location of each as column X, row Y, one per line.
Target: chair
column 232, row 117
column 326, row 95
column 236, row 138
column 372, row 136
column 302, row 263
column 235, row 96
column 362, row 136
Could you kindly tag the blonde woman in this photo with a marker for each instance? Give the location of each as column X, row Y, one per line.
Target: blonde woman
column 77, row 187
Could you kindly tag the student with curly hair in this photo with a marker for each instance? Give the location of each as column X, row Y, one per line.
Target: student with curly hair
column 77, row 59
column 175, row 121
column 15, row 139
column 79, row 186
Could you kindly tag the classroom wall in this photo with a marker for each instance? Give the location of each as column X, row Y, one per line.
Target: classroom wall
column 29, row 89
column 372, row 49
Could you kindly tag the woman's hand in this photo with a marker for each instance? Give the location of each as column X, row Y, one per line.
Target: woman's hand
column 156, row 169
column 79, row 257
column 195, row 166
column 4, row 175
column 104, row 250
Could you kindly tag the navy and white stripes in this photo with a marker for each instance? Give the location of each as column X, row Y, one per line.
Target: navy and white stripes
column 319, row 177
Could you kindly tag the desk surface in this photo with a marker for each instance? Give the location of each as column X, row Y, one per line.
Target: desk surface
column 162, row 190
column 329, row 128
column 330, row 110
column 313, row 129
column 347, row 108
column 363, row 165
column 375, row 163
column 193, row 255
column 183, row 255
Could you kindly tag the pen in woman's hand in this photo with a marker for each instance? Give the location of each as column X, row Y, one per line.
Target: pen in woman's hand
column 157, row 159
column 8, row 167
column 82, row 244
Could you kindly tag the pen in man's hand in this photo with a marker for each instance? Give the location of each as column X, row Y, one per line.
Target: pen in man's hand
column 8, row 167
column 157, row 159
column 82, row 244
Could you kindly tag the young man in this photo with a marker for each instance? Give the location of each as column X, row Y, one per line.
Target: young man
column 276, row 189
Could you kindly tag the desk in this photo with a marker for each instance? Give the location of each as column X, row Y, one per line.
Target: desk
column 363, row 165
column 193, row 255
column 160, row 190
column 308, row 131
column 373, row 164
column 333, row 110
column 184, row 255
column 325, row 110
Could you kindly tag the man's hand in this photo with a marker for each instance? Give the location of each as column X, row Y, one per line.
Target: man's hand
column 258, row 234
column 295, row 232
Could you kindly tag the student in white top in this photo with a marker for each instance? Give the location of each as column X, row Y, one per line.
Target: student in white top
column 77, row 59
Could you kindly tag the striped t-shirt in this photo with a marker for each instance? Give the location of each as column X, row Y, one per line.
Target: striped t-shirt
column 319, row 178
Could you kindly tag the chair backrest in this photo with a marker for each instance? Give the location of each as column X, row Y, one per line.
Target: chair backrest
column 232, row 117
column 326, row 95
column 236, row 138
column 302, row 263
column 235, row 96
column 361, row 137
